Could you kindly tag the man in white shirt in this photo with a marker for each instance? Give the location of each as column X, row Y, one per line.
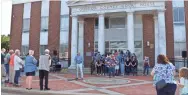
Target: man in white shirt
column 18, row 64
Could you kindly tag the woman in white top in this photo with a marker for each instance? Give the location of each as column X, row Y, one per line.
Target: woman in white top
column 183, row 84
column 18, row 64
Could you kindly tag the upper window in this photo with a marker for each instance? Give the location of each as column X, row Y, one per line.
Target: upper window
column 26, row 25
column 24, row 50
column 179, row 15
column 42, row 49
column 106, row 22
column 65, row 22
column 117, row 22
column 44, row 24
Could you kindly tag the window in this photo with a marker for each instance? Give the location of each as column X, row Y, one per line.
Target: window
column 118, row 44
column 178, row 48
column 44, row 24
column 26, row 25
column 106, row 23
column 64, row 22
column 179, row 15
column 24, row 50
column 64, row 50
column 42, row 49
column 138, row 44
column 64, row 37
column 117, row 22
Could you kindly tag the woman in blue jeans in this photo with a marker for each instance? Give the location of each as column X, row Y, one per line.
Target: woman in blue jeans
column 164, row 70
column 121, row 60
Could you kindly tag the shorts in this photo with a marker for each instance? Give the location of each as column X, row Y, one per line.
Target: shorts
column 117, row 67
column 30, row 73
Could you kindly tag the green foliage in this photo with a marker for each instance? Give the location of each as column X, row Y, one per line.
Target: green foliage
column 5, row 41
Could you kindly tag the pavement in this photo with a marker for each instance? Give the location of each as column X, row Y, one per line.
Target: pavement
column 65, row 84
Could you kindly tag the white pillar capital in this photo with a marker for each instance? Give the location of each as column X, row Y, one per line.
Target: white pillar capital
column 155, row 17
column 101, row 13
column 130, row 12
column 161, row 10
column 74, row 15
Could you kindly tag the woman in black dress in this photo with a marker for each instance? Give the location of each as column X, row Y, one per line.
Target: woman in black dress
column 127, row 66
column 134, row 66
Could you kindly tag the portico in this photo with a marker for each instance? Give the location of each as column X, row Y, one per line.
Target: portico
column 101, row 9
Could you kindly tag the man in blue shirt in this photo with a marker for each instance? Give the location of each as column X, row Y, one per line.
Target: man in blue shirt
column 79, row 65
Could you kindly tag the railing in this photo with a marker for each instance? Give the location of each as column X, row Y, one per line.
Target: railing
column 179, row 62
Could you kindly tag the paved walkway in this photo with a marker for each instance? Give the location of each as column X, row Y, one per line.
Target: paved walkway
column 91, row 85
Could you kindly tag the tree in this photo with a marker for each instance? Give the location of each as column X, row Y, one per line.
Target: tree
column 5, row 41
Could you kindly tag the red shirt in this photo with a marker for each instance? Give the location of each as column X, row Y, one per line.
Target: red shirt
column 12, row 60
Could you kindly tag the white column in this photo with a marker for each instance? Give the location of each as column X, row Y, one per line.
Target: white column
column 130, row 31
column 156, row 38
column 162, row 32
column 81, row 39
column 101, row 35
column 74, row 41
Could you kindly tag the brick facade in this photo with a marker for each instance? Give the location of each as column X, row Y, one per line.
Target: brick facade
column 35, row 23
column 16, row 26
column 89, row 24
column 54, row 25
column 169, row 30
column 148, row 35
column 186, row 22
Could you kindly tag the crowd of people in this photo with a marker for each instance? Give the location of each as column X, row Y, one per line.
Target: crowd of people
column 12, row 65
column 115, row 64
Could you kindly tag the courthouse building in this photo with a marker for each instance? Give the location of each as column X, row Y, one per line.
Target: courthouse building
column 146, row 28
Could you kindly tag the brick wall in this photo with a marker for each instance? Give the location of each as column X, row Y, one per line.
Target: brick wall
column 169, row 29
column 88, row 38
column 35, row 23
column 186, row 22
column 54, row 25
column 16, row 26
column 148, row 35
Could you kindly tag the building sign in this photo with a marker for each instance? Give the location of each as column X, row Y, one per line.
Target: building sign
column 115, row 6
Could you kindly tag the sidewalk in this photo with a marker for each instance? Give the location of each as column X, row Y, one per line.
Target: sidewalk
column 91, row 85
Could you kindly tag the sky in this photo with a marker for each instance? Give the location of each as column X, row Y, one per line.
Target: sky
column 5, row 16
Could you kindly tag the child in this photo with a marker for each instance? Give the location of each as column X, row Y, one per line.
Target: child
column 183, row 84
column 146, row 65
column 116, row 67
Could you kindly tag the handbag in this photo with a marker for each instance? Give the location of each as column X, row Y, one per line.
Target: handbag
column 162, row 83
